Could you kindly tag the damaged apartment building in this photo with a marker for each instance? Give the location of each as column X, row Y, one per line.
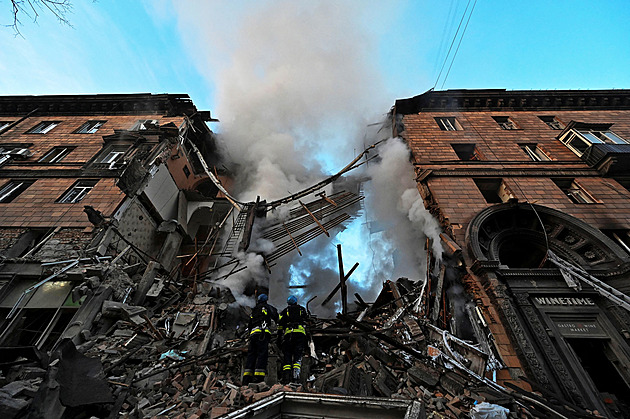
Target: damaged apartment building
column 85, row 177
column 532, row 190
column 119, row 237
column 96, row 189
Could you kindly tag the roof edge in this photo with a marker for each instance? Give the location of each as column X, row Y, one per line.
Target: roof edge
column 98, row 104
column 519, row 100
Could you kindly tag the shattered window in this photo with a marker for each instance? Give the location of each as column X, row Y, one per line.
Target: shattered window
column 467, row 152
column 77, row 192
column 13, row 189
column 576, row 193
column 495, row 191
column 90, row 127
column 552, row 122
column 4, row 124
column 56, row 154
column 145, row 124
column 448, row 123
column 534, row 152
column 505, row 122
column 111, row 156
column 43, row 127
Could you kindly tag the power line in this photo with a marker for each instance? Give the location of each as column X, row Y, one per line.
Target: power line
column 448, row 27
column 452, row 43
column 458, row 45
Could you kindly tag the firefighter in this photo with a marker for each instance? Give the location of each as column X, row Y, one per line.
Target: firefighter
column 259, row 337
column 292, row 337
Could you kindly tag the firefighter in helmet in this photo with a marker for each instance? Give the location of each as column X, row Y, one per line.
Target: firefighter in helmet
column 292, row 337
column 259, row 337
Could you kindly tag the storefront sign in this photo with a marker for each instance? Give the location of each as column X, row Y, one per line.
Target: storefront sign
column 580, row 329
column 564, row 301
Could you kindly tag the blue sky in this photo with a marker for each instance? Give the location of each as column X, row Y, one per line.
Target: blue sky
column 136, row 46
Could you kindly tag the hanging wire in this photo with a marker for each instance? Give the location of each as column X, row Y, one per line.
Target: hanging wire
column 452, row 43
column 459, row 44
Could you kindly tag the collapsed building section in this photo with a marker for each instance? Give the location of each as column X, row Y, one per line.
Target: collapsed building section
column 119, row 236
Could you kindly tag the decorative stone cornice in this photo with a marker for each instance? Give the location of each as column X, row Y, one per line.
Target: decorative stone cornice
column 514, row 100
column 98, row 105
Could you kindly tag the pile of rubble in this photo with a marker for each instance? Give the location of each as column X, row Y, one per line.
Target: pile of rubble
column 177, row 351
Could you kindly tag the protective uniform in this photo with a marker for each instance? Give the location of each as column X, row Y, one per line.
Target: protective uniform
column 292, row 332
column 259, row 336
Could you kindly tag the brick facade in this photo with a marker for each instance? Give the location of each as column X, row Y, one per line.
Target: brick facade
column 448, row 182
column 459, row 198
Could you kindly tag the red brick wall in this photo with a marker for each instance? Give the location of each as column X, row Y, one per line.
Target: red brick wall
column 87, row 145
column 36, row 206
column 460, row 200
column 429, row 143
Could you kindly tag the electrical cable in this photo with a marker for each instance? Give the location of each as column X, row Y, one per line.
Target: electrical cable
column 452, row 43
column 459, row 44
column 448, row 27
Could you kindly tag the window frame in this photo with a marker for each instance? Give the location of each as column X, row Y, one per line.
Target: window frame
column 509, row 122
column 552, row 122
column 4, row 125
column 81, row 191
column 65, row 150
column 589, row 137
column 448, row 123
column 574, row 191
column 90, row 127
column 45, row 129
column 14, row 188
column 534, row 152
column 111, row 155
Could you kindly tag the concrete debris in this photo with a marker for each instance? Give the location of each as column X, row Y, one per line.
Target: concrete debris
column 180, row 355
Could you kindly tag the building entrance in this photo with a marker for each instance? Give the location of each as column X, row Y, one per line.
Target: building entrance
column 598, row 361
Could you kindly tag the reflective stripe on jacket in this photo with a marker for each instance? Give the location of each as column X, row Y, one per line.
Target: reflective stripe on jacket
column 260, row 319
column 292, row 320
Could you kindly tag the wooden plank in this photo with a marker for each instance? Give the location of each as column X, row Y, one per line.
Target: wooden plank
column 342, row 281
column 315, row 218
column 438, row 294
column 338, row 286
column 294, row 243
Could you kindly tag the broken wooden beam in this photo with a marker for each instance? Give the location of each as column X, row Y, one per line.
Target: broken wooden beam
column 342, row 282
column 438, row 295
column 327, row 199
column 381, row 336
column 315, row 218
column 291, row 237
column 338, row 286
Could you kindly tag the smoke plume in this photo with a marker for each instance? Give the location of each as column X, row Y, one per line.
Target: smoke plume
column 394, row 201
column 296, row 85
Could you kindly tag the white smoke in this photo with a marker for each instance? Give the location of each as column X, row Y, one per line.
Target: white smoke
column 394, row 201
column 295, row 81
column 296, row 84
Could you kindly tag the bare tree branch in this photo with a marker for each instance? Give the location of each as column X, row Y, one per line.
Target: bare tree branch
column 32, row 8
